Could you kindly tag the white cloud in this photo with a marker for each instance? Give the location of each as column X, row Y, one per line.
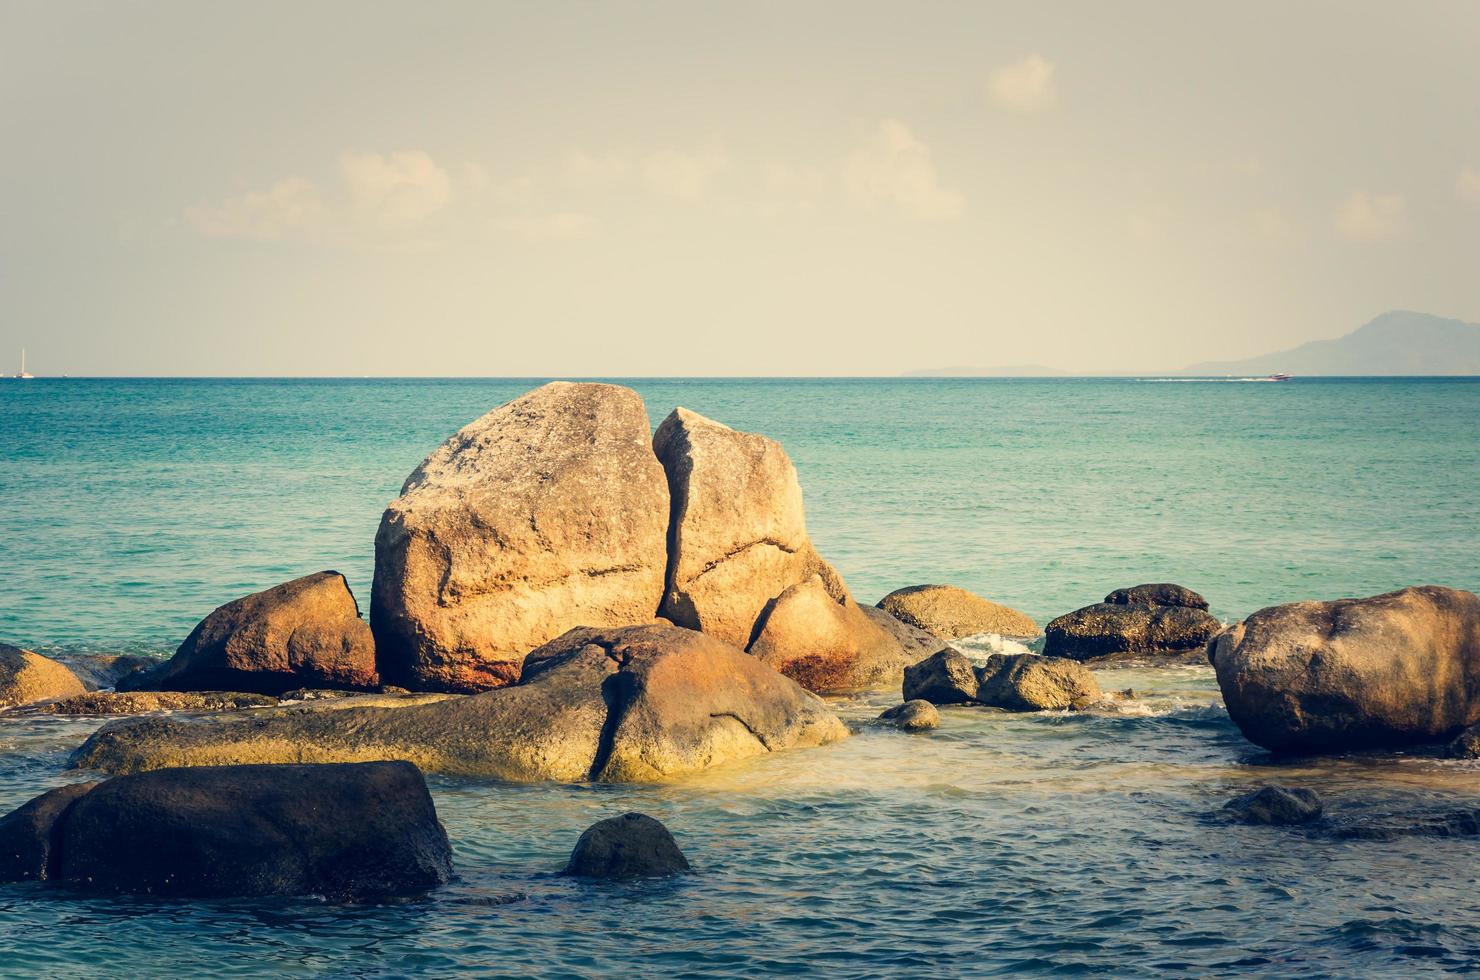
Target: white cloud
column 1024, row 86
column 594, row 169
column 895, row 168
column 1365, row 217
column 548, row 227
column 1467, row 185
column 401, row 187
column 681, row 174
column 290, row 207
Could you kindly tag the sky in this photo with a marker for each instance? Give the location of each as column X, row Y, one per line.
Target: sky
column 790, row 188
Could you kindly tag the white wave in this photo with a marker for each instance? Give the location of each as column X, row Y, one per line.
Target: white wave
column 982, row 645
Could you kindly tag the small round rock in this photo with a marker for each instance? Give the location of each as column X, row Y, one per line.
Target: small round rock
column 633, row 845
column 1281, row 805
column 912, row 716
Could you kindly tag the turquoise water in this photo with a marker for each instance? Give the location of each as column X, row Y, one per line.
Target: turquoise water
column 999, row 844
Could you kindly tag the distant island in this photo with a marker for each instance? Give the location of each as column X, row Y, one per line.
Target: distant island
column 1399, row 342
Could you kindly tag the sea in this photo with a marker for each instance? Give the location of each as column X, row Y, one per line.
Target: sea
column 998, row 845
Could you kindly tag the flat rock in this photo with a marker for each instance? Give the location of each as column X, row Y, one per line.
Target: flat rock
column 143, row 702
column 632, row 704
column 547, row 513
column 1386, row 671
column 1109, row 629
column 738, row 534
column 27, row 677
column 945, row 677
column 1460, row 822
column 307, row 632
column 1280, row 805
column 912, row 716
column 1029, row 682
column 950, row 613
column 633, row 845
column 1158, row 594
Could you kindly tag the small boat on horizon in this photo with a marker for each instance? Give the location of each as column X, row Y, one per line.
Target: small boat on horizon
column 24, row 374
column 1279, row 377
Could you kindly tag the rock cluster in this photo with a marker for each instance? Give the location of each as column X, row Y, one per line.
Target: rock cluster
column 949, row 613
column 1156, row 620
column 1013, row 682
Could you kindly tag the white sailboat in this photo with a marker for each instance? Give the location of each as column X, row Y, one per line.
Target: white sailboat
column 24, row 375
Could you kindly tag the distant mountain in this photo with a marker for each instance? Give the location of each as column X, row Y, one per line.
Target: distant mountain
column 1006, row 371
column 1400, row 342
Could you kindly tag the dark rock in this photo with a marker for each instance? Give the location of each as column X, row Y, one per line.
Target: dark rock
column 946, row 677
column 28, row 837
column 1158, row 594
column 1029, row 682
column 1444, row 823
column 912, row 716
column 1387, row 671
column 633, row 845
column 1112, row 629
column 1275, row 805
column 351, row 832
column 142, row 702
column 99, row 671
column 1466, row 744
column 303, row 633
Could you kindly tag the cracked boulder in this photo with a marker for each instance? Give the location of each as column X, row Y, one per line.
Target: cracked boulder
column 1385, row 671
column 547, row 513
column 738, row 537
column 632, row 704
column 303, row 633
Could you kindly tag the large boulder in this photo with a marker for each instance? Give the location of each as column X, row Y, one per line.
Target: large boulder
column 633, row 845
column 946, row 677
column 950, row 613
column 1157, row 594
column 1390, row 670
column 632, row 704
column 834, row 647
column 28, row 844
column 1129, row 629
column 345, row 832
column 738, row 535
column 547, row 513
column 303, row 633
column 27, row 677
column 1028, row 682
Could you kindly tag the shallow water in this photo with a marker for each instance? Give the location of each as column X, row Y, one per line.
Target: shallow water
column 999, row 844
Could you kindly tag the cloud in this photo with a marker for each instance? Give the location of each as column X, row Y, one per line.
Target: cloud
column 683, row 175
column 290, row 207
column 1365, row 217
column 1467, row 185
column 895, row 168
column 1024, row 86
column 396, row 188
column 594, row 169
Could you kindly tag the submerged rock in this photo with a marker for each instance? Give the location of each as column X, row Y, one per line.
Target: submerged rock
column 633, row 845
column 912, row 716
column 27, row 677
column 1109, row 629
column 304, row 632
column 142, row 702
column 28, row 842
column 1390, row 670
column 98, row 671
column 1440, row 823
column 547, row 513
column 946, row 677
column 833, row 647
column 950, row 613
column 1028, row 682
column 1283, row 805
column 1158, row 594
column 1466, row 744
column 632, row 704
column 346, row 832
column 738, row 534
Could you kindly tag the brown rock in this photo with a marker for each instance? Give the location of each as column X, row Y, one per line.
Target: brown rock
column 547, row 513
column 1158, row 594
column 738, row 536
column 946, row 677
column 306, row 632
column 1390, row 670
column 912, row 716
column 27, row 677
column 1109, row 629
column 143, row 702
column 951, row 613
column 1028, row 682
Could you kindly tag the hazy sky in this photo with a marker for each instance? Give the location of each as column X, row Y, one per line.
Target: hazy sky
column 787, row 188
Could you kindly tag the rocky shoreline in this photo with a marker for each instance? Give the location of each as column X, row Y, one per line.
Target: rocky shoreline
column 561, row 594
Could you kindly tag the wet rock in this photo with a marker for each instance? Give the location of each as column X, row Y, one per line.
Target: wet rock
column 304, row 632
column 946, row 677
column 833, row 647
column 142, row 702
column 1158, row 594
column 950, row 613
column 738, row 535
column 1462, row 822
column 547, row 513
column 1386, row 671
column 1466, row 744
column 28, row 838
column 347, row 832
column 1109, row 629
column 1028, row 682
column 633, row 845
column 912, row 716
column 99, row 671
column 1282, row 805
column 27, row 677
column 632, row 704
